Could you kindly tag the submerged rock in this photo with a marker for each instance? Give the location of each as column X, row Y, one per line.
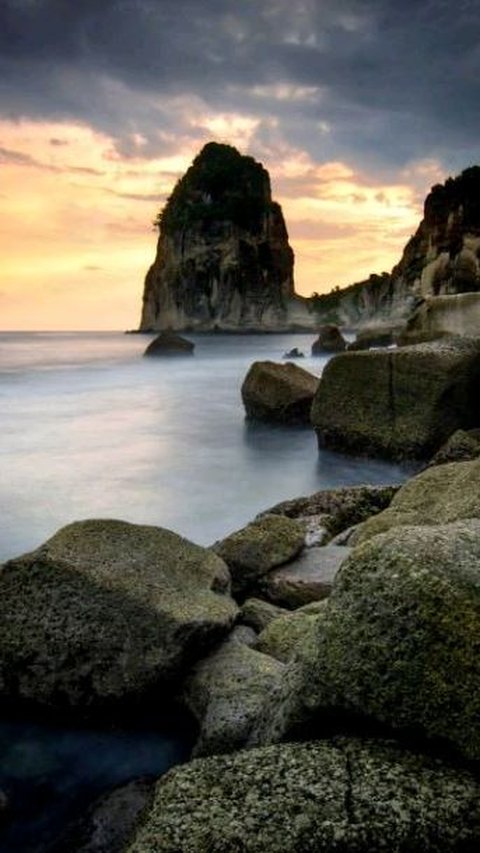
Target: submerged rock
column 167, row 343
column 330, row 339
column 280, row 393
column 105, row 611
column 342, row 794
column 400, row 403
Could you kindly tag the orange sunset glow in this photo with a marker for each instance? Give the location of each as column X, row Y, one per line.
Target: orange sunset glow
column 76, row 214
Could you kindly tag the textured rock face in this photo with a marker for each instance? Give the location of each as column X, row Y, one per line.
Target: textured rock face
column 223, row 258
column 105, row 610
column 281, row 393
column 438, row 316
column 343, row 795
column 308, row 578
column 401, row 403
column 397, row 641
column 438, row 495
column 442, row 257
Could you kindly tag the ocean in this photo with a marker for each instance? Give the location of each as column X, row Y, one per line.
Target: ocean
column 91, row 429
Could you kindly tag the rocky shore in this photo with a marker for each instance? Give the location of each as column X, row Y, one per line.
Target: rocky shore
column 325, row 657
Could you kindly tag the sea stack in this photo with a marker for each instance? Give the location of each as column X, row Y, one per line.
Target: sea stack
column 223, row 259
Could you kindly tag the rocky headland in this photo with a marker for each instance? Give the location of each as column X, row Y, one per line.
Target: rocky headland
column 223, row 259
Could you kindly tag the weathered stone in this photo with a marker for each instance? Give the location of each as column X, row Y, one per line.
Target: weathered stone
column 441, row 316
column 462, row 446
column 330, row 339
column 281, row 393
column 226, row 693
column 105, row 610
column 340, row 508
column 398, row 403
column 223, row 258
column 340, row 795
column 283, row 638
column 374, row 337
column 166, row 343
column 259, row 547
column 308, row 578
column 437, row 495
column 397, row 641
column 258, row 613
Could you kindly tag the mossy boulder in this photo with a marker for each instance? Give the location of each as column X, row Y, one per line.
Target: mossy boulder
column 340, row 508
column 307, row 578
column 105, row 611
column 258, row 548
column 462, row 446
column 279, row 393
column 290, row 633
column 337, row 795
column 437, row 495
column 257, row 613
column 226, row 693
column 401, row 403
column 398, row 641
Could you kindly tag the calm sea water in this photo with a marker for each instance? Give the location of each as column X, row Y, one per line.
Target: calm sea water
column 91, row 429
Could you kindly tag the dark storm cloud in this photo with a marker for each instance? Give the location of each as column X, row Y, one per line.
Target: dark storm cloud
column 388, row 81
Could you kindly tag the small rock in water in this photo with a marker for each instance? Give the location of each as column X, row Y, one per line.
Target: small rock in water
column 294, row 353
column 167, row 343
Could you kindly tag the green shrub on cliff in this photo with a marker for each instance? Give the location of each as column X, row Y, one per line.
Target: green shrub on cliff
column 221, row 184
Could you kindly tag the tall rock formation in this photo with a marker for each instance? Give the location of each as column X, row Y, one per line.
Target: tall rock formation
column 223, row 259
column 441, row 258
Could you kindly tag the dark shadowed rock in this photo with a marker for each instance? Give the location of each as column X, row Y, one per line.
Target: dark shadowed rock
column 259, row 547
column 462, row 446
column 280, row 393
column 104, row 611
column 330, row 339
column 344, row 795
column 374, row 337
column 400, row 403
column 308, row 578
column 167, row 343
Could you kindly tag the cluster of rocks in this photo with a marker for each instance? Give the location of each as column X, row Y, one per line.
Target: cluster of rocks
column 327, row 654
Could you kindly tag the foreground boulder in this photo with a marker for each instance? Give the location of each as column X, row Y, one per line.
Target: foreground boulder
column 330, row 339
column 105, row 610
column 400, row 403
column 280, row 393
column 258, row 548
column 397, row 641
column 340, row 795
column 167, row 343
column 438, row 495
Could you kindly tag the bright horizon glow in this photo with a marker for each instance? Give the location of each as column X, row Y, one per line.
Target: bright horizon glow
column 76, row 214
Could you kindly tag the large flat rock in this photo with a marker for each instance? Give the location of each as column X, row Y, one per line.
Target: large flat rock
column 306, row 579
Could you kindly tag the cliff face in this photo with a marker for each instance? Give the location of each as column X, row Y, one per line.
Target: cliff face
column 441, row 258
column 223, row 258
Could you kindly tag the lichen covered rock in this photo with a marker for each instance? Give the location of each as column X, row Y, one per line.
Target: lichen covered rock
column 259, row 547
column 342, row 795
column 291, row 633
column 106, row 611
column 401, row 403
column 280, row 393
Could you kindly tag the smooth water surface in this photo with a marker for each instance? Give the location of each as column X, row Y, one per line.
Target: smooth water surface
column 91, row 429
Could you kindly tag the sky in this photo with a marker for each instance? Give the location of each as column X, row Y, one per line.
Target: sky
column 355, row 107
